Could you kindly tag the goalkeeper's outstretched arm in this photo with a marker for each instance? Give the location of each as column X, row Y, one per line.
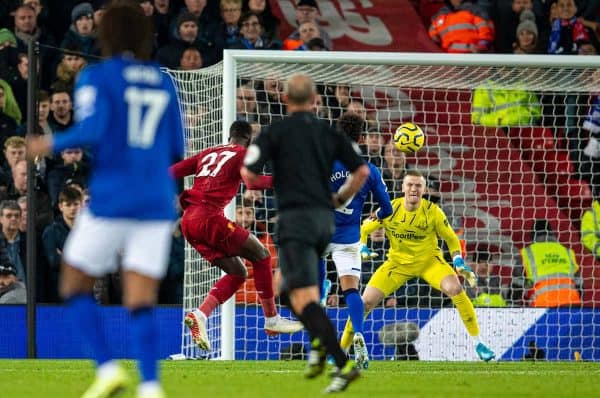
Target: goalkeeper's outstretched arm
column 369, row 226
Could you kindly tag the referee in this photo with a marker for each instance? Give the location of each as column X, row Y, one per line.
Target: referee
column 302, row 150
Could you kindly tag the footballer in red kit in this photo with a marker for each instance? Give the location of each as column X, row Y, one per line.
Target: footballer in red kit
column 220, row 241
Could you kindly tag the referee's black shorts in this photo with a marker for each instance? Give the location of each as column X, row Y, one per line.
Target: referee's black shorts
column 302, row 237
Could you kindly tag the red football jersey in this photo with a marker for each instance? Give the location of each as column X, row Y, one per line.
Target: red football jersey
column 217, row 176
column 216, row 173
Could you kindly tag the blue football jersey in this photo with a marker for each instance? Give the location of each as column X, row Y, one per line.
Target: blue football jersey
column 127, row 114
column 348, row 218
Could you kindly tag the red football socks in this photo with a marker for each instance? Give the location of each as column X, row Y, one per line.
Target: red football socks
column 221, row 292
column 263, row 280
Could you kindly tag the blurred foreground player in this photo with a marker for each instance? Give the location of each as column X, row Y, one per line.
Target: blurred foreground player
column 127, row 113
column 220, row 241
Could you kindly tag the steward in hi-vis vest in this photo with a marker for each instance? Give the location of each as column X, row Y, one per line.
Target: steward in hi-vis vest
column 551, row 268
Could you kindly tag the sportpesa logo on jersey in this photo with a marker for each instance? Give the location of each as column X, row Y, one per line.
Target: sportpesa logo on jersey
column 409, row 235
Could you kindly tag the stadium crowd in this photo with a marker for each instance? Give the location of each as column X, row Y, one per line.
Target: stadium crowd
column 192, row 34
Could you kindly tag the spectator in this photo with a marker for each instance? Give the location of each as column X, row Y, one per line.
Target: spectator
column 488, row 292
column 14, row 150
column 231, row 11
column 162, row 18
column 147, row 7
column 73, row 168
column 308, row 11
column 69, row 67
column 590, row 156
column 41, row 13
column 306, row 32
column 262, row 8
column 337, row 99
column 12, row 238
column 55, row 235
column 567, row 31
column 374, row 143
column 251, row 35
column 8, row 53
column 9, row 109
column 462, row 27
column 187, row 35
column 527, row 35
column 12, row 291
column 44, row 112
column 270, row 104
column 61, row 106
column 356, row 106
column 550, row 269
column 206, row 14
column 42, row 127
column 26, row 29
column 81, row 32
column 590, row 227
column 44, row 213
column 393, row 168
column 246, row 103
column 244, row 216
column 316, row 44
column 191, row 59
column 18, row 81
column 496, row 105
column 507, row 16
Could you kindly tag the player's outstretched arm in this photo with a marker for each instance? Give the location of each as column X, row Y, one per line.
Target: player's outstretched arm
column 380, row 194
column 260, row 182
column 369, row 226
column 184, row 167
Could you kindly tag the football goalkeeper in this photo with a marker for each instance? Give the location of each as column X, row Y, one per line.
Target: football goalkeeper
column 413, row 230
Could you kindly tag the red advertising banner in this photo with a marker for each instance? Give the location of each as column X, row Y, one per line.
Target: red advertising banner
column 363, row 25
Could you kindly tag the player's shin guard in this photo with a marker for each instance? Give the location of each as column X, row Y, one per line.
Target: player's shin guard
column 221, row 292
column 467, row 313
column 356, row 309
column 347, row 335
column 84, row 314
column 316, row 322
column 263, row 280
column 145, row 340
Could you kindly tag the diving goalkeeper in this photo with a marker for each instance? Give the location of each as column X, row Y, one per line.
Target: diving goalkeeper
column 413, row 230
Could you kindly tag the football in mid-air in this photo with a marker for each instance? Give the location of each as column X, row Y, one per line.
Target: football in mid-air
column 409, row 138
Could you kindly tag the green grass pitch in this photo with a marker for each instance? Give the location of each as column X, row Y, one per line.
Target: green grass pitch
column 279, row 379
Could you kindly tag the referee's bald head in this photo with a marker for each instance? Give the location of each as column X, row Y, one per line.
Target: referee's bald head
column 300, row 90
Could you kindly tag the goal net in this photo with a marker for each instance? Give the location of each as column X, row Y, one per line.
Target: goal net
column 509, row 156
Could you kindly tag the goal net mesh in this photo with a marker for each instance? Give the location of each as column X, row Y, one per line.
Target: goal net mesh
column 497, row 179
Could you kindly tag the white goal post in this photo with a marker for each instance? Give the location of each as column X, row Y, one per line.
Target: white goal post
column 494, row 182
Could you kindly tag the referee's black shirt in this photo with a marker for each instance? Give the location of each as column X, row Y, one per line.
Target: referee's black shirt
column 302, row 149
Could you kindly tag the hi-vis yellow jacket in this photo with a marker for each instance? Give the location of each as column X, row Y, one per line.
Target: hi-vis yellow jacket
column 551, row 267
column 590, row 229
column 495, row 105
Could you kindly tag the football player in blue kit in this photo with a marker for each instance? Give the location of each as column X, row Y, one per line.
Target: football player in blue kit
column 127, row 114
column 345, row 248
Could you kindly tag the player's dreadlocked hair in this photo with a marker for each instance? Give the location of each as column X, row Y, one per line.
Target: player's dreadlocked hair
column 240, row 131
column 125, row 29
column 352, row 125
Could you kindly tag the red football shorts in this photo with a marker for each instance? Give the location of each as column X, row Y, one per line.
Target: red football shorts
column 213, row 235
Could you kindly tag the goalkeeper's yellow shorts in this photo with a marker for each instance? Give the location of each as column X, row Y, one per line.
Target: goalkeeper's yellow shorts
column 390, row 275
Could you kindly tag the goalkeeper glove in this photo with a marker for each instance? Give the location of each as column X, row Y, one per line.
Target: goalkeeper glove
column 366, row 253
column 464, row 270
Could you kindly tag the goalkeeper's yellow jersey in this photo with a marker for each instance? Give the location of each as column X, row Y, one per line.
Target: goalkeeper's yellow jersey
column 414, row 235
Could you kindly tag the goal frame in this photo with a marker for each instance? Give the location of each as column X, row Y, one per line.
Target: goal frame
column 231, row 58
